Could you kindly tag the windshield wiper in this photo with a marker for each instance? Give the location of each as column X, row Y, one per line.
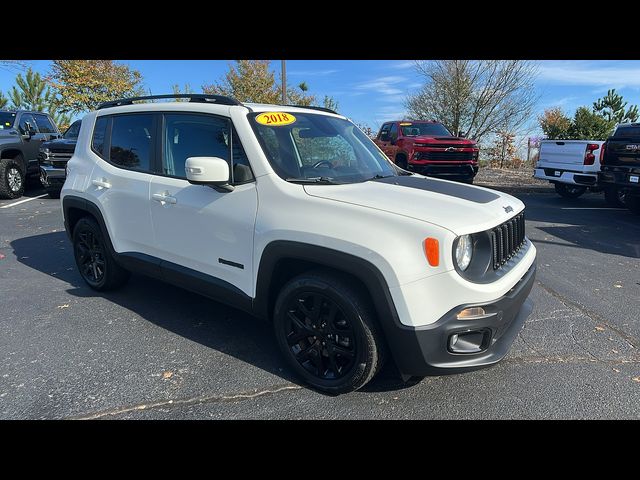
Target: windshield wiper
column 325, row 180
column 377, row 176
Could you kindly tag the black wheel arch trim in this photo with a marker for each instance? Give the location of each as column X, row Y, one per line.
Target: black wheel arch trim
column 365, row 271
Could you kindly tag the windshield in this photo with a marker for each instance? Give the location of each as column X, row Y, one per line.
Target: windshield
column 6, row 120
column 73, row 131
column 303, row 146
column 410, row 129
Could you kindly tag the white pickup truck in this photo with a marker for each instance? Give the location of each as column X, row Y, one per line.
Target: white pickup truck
column 571, row 165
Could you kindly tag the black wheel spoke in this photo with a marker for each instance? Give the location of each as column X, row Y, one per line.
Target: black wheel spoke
column 331, row 327
column 300, row 325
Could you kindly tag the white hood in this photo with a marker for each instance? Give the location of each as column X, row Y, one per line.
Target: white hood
column 457, row 207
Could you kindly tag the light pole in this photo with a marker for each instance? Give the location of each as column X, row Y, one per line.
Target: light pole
column 284, row 82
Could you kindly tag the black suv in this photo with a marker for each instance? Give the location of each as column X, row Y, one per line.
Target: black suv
column 620, row 165
column 21, row 135
column 53, row 159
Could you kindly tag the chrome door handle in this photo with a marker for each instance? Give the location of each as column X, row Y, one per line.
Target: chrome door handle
column 164, row 198
column 101, row 183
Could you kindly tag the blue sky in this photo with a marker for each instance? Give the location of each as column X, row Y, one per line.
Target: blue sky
column 373, row 91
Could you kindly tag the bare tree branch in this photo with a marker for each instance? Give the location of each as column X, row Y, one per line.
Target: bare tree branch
column 475, row 97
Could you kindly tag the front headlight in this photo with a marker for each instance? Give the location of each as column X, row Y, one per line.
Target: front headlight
column 464, row 252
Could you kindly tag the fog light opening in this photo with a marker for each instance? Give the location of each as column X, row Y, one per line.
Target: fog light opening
column 471, row 313
column 469, row 342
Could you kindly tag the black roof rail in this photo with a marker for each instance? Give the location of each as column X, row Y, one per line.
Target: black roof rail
column 313, row 107
column 193, row 97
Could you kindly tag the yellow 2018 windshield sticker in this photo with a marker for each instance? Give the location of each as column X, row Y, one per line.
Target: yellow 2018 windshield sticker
column 275, row 119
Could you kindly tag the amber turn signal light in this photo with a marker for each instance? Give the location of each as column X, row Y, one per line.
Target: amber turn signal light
column 432, row 251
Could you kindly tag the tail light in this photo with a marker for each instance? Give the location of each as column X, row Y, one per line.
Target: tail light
column 604, row 147
column 589, row 157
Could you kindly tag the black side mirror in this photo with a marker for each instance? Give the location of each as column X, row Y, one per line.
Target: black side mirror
column 30, row 131
column 384, row 137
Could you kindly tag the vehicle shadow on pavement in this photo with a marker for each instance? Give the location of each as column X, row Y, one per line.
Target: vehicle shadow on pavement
column 591, row 224
column 184, row 313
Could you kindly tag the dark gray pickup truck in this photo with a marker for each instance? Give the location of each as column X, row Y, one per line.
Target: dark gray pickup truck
column 620, row 165
column 22, row 133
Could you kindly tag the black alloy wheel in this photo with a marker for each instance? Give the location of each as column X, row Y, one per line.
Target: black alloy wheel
column 89, row 253
column 320, row 336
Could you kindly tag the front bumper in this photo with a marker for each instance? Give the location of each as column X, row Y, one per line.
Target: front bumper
column 427, row 350
column 446, row 171
column 621, row 178
column 52, row 177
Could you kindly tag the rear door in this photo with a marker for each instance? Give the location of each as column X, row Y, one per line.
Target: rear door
column 120, row 180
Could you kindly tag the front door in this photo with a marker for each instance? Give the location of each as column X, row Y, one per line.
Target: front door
column 30, row 145
column 196, row 226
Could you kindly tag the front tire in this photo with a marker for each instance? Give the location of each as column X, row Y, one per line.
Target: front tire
column 97, row 266
column 615, row 197
column 569, row 191
column 12, row 178
column 326, row 329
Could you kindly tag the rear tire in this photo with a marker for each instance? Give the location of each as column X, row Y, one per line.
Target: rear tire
column 95, row 263
column 615, row 197
column 326, row 329
column 632, row 202
column 12, row 178
column 569, row 191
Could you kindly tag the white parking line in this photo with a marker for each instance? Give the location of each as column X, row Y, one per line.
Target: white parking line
column 23, row 201
column 591, row 208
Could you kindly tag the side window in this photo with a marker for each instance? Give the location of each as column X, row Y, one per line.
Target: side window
column 393, row 132
column 132, row 141
column 73, row 131
column 384, row 131
column 44, row 124
column 99, row 134
column 24, row 119
column 192, row 135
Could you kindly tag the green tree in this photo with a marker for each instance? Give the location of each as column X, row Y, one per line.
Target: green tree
column 612, row 107
column 555, row 123
column 588, row 125
column 3, row 100
column 253, row 81
column 83, row 84
column 330, row 103
column 31, row 92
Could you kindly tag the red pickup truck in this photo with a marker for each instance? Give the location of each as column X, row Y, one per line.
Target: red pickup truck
column 428, row 148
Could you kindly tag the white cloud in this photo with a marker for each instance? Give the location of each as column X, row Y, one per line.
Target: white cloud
column 405, row 64
column 385, row 85
column 598, row 74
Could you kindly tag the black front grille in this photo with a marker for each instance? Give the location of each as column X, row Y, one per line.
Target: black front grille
column 445, row 156
column 507, row 239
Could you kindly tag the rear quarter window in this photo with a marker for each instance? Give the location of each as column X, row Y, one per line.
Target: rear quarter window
column 99, row 135
column 627, row 132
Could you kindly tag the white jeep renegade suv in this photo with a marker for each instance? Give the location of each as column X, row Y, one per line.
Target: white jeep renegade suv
column 295, row 216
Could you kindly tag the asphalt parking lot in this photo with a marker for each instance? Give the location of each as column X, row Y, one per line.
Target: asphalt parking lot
column 153, row 351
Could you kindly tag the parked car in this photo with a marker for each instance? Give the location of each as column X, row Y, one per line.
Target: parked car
column 53, row 159
column 294, row 215
column 21, row 134
column 572, row 166
column 620, row 165
column 428, row 148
